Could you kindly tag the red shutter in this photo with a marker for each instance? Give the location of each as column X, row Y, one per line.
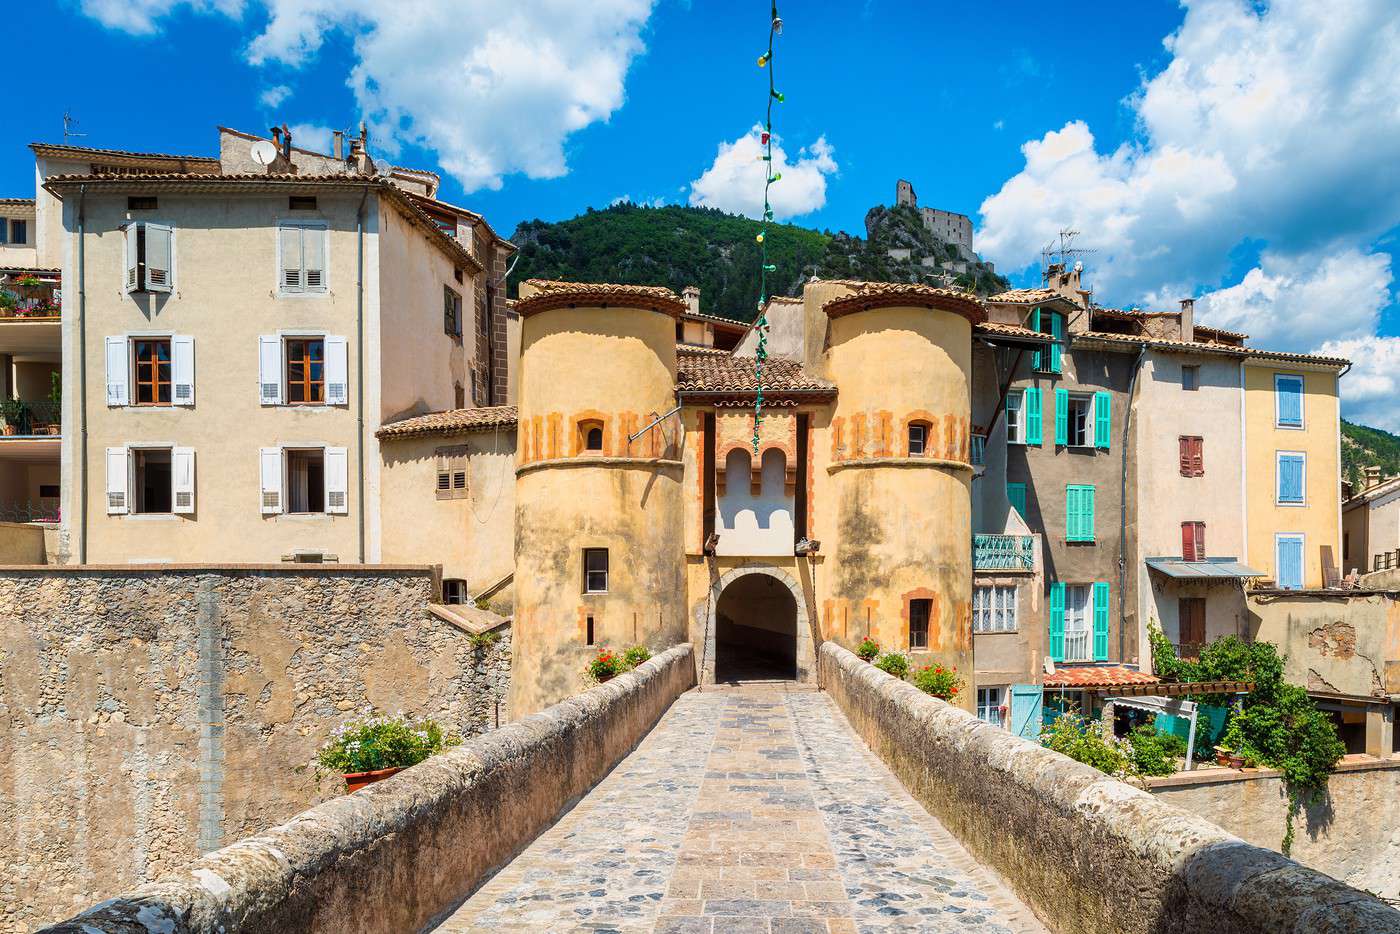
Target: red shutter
column 1184, row 444
column 1197, row 458
column 1188, row 542
column 1200, row 540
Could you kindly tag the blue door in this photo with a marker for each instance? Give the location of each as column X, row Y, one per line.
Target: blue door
column 1026, row 702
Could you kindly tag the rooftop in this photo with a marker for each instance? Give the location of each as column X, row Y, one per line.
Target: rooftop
column 1097, row 676
column 453, row 421
column 552, row 293
column 902, row 294
column 64, row 151
column 1230, row 350
column 718, row 373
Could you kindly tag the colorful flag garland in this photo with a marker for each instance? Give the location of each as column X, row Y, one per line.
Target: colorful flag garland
column 775, row 28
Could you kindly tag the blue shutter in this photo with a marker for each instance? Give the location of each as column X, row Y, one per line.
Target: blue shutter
column 1086, row 513
column 1030, row 411
column 1062, row 417
column 1290, row 400
column 1035, row 326
column 1290, row 478
column 1026, row 703
column 1057, row 331
column 1079, row 513
column 1071, row 513
column 1100, row 621
column 1016, row 493
column 1057, row 622
column 1103, row 424
column 1290, row 563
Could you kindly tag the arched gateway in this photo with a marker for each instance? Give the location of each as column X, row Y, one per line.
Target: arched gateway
column 756, row 627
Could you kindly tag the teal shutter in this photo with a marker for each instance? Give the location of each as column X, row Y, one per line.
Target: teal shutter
column 1016, row 493
column 1057, row 622
column 1072, row 513
column 1079, row 513
column 1086, row 513
column 1062, row 417
column 1103, row 424
column 1026, row 703
column 1100, row 621
column 1035, row 326
column 1031, row 409
column 1057, row 331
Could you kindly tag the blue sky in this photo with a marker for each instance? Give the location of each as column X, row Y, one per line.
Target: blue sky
column 1242, row 153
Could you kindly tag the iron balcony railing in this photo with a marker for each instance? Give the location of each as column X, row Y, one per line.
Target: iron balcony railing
column 31, row 510
column 1387, row 560
column 1003, row 552
column 32, row 300
column 30, row 418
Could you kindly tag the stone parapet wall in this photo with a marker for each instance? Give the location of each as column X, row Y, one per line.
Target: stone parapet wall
column 1089, row 853
column 402, row 854
column 151, row 714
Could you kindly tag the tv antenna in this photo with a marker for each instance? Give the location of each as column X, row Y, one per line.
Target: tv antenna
column 1062, row 252
column 70, row 127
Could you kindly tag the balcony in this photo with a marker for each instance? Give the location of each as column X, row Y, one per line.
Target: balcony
column 1003, row 552
column 29, row 298
column 32, row 510
column 38, row 418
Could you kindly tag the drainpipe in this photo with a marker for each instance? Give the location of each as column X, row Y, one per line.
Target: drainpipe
column 360, row 362
column 82, row 379
column 1123, row 513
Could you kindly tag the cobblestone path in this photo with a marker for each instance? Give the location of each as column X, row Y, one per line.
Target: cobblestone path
column 747, row 811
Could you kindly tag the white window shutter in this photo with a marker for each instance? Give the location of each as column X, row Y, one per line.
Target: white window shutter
column 337, row 372
column 271, row 473
column 182, row 368
column 159, row 257
column 289, row 246
column 129, row 283
column 337, row 480
column 118, row 371
column 313, row 254
column 270, row 369
column 182, row 479
column 117, row 472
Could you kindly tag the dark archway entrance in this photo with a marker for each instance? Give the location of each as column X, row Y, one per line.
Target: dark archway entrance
column 756, row 630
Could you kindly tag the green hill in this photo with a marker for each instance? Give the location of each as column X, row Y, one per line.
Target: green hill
column 677, row 246
column 1367, row 447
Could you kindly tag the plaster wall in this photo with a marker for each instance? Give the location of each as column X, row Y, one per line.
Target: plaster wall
column 23, row 254
column 21, row 543
column 1016, row 657
column 1339, row 642
column 1373, row 529
column 48, row 210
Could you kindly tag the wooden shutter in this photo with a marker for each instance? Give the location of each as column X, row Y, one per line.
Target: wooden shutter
column 1079, row 513
column 1103, row 424
column 117, row 475
column 133, row 252
column 289, row 247
column 1100, row 621
column 1188, row 542
column 1016, row 494
column 270, row 369
column 1198, row 465
column 1199, row 529
column 1062, row 417
column 337, row 371
column 1071, row 513
column 1057, row 331
column 1027, row 709
column 270, row 472
column 160, row 254
column 313, row 253
column 1191, row 620
column 1290, row 478
column 182, row 479
column 337, row 480
column 1290, row 399
column 1086, row 517
column 1031, row 412
column 118, row 371
column 182, row 369
column 1057, row 622
column 1035, row 326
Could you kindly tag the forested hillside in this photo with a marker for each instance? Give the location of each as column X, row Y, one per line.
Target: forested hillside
column 1365, row 447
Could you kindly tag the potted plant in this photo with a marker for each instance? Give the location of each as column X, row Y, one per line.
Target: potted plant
column 634, row 656
column 893, row 663
column 371, row 749
column 868, row 649
column 604, row 666
column 14, row 412
column 940, row 682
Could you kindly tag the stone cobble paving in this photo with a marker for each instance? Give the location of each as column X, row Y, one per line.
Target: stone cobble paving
column 747, row 812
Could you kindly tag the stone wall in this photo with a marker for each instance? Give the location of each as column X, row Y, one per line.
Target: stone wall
column 151, row 714
column 402, row 854
column 1089, row 853
column 1352, row 833
column 1336, row 642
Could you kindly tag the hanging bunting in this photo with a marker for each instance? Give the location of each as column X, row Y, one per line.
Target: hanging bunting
column 775, row 28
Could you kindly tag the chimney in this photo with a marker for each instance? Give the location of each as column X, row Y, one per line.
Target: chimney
column 691, row 294
column 277, row 137
column 286, row 142
column 1373, row 477
column 338, row 145
column 1188, row 319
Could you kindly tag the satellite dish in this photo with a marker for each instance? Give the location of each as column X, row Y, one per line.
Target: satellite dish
column 264, row 152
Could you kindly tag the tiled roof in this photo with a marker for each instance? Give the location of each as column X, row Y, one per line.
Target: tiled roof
column 61, row 150
column 718, row 319
column 453, row 421
column 892, row 294
column 16, row 200
column 1027, row 297
column 1222, row 332
column 1010, row 330
column 721, row 373
column 1097, row 676
column 551, row 293
column 1180, row 346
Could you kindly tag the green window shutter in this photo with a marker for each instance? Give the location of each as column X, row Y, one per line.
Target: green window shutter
column 1100, row 621
column 1079, row 513
column 1103, row 424
column 1057, row 622
column 1072, row 513
column 1086, row 513
column 1035, row 326
column 1030, row 403
column 1062, row 417
column 1057, row 331
column 1016, row 493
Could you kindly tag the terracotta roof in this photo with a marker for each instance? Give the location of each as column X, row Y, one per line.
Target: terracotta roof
column 1028, row 297
column 718, row 319
column 706, row 372
column 1095, row 676
column 1222, row 332
column 1010, row 330
column 62, row 150
column 478, row 218
column 453, row 421
column 1384, row 488
column 16, row 200
column 1180, row 346
column 894, row 294
column 551, row 293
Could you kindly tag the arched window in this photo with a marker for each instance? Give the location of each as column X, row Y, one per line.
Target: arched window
column 918, row 438
column 590, row 436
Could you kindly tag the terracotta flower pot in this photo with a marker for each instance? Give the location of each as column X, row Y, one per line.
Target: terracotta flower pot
column 354, row 781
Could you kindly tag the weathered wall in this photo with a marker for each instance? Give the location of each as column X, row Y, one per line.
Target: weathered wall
column 405, row 852
column 1016, row 657
column 1353, row 833
column 148, row 715
column 1343, row 642
column 21, row 543
column 1087, row 852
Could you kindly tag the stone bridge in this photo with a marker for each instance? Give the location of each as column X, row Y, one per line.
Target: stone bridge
column 646, row 805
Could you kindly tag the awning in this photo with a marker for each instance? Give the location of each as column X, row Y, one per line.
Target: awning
column 1208, row 568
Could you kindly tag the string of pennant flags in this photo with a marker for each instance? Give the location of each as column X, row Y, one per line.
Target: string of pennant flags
column 775, row 29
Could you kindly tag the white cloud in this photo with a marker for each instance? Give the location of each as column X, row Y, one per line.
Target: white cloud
column 311, row 136
column 273, row 97
column 657, row 202
column 139, row 16
column 1371, row 387
column 734, row 182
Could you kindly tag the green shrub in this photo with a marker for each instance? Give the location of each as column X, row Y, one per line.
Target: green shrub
column 1154, row 753
column 483, row 640
column 1082, row 741
column 938, row 681
column 634, row 656
column 382, row 742
column 868, row 649
column 604, row 666
column 893, row 663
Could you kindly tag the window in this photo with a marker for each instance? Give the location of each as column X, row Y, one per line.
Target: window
column 1190, row 377
column 1193, row 541
column 1291, row 477
column 1016, row 494
column 1191, row 621
column 1015, row 429
column 301, row 246
column 1190, row 451
column 1080, row 422
column 1079, row 513
column 589, row 637
column 484, row 323
column 1288, row 401
column 994, row 608
column 991, row 706
column 1077, row 617
column 459, row 396
column 1032, row 411
column 457, row 273
column 150, row 471
column 301, row 202
column 978, row 449
column 1288, row 561
column 454, row 590
column 150, row 480
column 918, row 438
column 451, row 472
column 595, row 570
column 451, row 312
column 141, row 202
column 151, row 362
column 19, row 232
column 1052, row 323
column 149, row 257
column 304, row 480
column 48, row 491
column 306, row 371
column 590, row 436
column 918, row 623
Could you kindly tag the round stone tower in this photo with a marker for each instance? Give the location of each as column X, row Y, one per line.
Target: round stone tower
column 899, row 469
column 599, row 518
